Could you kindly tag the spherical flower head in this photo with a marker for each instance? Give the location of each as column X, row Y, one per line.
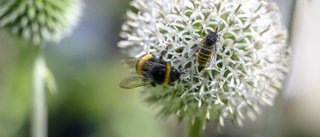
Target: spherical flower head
column 250, row 63
column 39, row 21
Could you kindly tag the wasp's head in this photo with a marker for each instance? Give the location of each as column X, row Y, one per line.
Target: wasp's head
column 212, row 37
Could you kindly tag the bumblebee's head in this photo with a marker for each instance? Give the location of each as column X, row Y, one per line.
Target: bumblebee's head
column 174, row 75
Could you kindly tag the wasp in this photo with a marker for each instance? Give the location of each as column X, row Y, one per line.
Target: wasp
column 206, row 50
column 150, row 70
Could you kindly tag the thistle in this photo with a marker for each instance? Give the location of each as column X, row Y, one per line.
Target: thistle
column 39, row 21
column 250, row 64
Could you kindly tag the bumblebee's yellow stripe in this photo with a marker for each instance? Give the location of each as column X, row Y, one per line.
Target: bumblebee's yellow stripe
column 168, row 71
column 141, row 62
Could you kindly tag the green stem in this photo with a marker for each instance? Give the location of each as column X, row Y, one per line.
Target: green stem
column 195, row 128
column 39, row 116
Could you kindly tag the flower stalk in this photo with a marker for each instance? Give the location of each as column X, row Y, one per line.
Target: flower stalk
column 37, row 22
column 195, row 127
column 39, row 115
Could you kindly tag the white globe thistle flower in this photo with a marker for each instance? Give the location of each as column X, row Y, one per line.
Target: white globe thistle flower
column 249, row 67
column 39, row 21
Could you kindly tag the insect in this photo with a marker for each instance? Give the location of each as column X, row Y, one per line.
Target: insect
column 150, row 70
column 206, row 50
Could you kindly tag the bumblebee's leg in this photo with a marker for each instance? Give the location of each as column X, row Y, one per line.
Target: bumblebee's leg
column 171, row 84
column 153, row 84
column 164, row 52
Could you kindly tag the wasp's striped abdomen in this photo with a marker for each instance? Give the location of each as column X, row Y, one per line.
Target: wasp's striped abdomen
column 204, row 56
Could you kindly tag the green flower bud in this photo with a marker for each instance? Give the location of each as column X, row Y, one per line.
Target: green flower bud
column 39, row 21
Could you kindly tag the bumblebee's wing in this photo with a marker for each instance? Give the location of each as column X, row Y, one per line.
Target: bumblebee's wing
column 195, row 49
column 149, row 65
column 131, row 61
column 134, row 81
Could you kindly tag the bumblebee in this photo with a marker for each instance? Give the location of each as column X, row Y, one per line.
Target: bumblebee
column 206, row 50
column 149, row 70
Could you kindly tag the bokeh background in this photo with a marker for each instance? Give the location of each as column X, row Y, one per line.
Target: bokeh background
column 89, row 103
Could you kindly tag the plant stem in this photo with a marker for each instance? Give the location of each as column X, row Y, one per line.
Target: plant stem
column 195, row 128
column 39, row 116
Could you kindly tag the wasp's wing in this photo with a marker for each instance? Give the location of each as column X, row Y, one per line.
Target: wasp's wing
column 134, row 81
column 213, row 56
column 195, row 49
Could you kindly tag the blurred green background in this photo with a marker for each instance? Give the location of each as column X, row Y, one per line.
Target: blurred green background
column 87, row 69
column 89, row 102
